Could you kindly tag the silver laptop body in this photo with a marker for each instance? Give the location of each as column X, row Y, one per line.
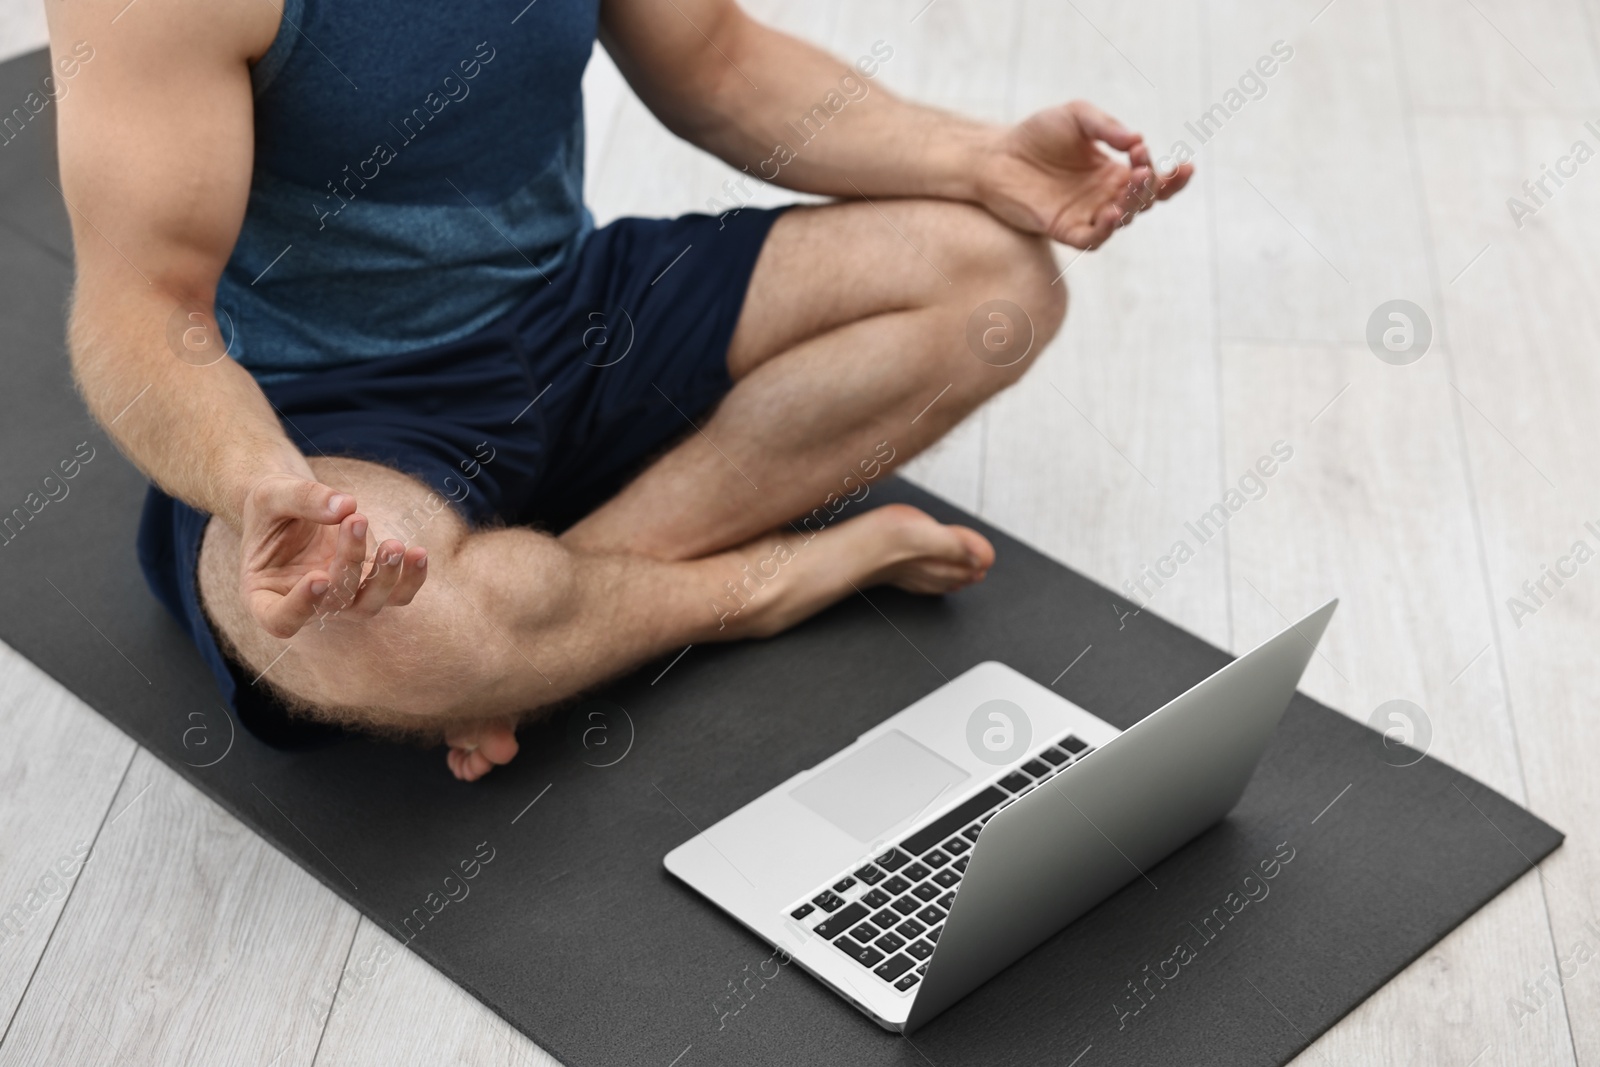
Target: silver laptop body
column 912, row 866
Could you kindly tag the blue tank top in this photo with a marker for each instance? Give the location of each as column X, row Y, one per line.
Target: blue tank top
column 418, row 168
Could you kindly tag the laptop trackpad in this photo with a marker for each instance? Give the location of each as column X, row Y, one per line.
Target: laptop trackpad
column 884, row 782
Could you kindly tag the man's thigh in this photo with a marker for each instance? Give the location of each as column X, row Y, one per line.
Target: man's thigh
column 828, row 265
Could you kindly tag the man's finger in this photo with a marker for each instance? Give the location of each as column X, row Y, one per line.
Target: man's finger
column 1133, row 199
column 1140, row 192
column 1175, row 181
column 283, row 616
column 1094, row 233
column 296, row 498
column 414, row 571
column 348, row 563
column 379, row 586
column 1103, row 127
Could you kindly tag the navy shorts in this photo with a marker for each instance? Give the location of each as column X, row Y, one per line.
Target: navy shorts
column 535, row 420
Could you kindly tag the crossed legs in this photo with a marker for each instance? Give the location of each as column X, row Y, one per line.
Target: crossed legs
column 854, row 333
column 855, row 321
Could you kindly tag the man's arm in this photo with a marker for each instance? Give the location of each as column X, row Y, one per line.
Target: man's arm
column 156, row 148
column 155, row 166
column 793, row 115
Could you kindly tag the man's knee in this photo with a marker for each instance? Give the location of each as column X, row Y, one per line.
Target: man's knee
column 1005, row 293
column 998, row 262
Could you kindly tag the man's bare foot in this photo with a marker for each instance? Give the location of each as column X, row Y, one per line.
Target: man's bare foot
column 922, row 555
column 478, row 747
column 895, row 545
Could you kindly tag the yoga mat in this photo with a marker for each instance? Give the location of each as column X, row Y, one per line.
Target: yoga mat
column 540, row 889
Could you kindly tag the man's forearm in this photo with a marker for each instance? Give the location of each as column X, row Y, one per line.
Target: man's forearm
column 791, row 114
column 156, row 377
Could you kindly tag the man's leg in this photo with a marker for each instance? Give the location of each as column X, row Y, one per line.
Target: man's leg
column 511, row 620
column 855, row 321
column 842, row 344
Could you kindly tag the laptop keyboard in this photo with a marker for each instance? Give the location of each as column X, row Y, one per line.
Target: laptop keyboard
column 887, row 914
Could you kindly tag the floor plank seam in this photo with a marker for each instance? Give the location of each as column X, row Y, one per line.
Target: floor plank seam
column 333, row 1006
column 1419, row 193
column 66, row 901
column 1213, row 240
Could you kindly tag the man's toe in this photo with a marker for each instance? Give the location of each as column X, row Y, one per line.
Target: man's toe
column 498, row 745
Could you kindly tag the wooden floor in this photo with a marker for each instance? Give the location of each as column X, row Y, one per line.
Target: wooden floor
column 1376, row 166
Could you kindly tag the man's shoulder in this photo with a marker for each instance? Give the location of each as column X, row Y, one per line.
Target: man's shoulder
column 171, row 31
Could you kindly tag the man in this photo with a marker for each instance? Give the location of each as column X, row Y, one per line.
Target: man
column 466, row 456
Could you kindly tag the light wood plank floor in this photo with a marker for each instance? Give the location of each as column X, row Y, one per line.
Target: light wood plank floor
column 1375, row 166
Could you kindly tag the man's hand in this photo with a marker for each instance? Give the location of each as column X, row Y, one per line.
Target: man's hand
column 1049, row 175
column 304, row 554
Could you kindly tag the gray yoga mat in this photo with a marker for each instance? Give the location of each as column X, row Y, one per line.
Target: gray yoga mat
column 540, row 889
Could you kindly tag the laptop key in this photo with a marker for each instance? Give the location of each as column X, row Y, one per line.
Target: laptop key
column 1016, row 781
column 893, row 968
column 802, row 911
column 916, row 872
column 865, row 955
column 936, row 859
column 931, row 915
column 946, row 900
column 828, row 900
column 910, row 928
column 957, row 845
column 971, row 833
column 892, row 860
column 841, row 921
column 961, row 864
column 890, row 942
column 925, row 892
column 876, row 898
column 1073, row 745
column 933, row 935
column 906, row 905
column 920, row 950
column 864, row 933
column 844, row 883
column 946, row 878
column 1036, row 768
column 885, row 918
column 952, row 820
column 870, row 875
column 908, row 981
column 895, row 886
column 1054, row 756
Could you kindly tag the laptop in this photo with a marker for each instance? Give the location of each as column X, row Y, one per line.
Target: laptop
column 909, row 868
